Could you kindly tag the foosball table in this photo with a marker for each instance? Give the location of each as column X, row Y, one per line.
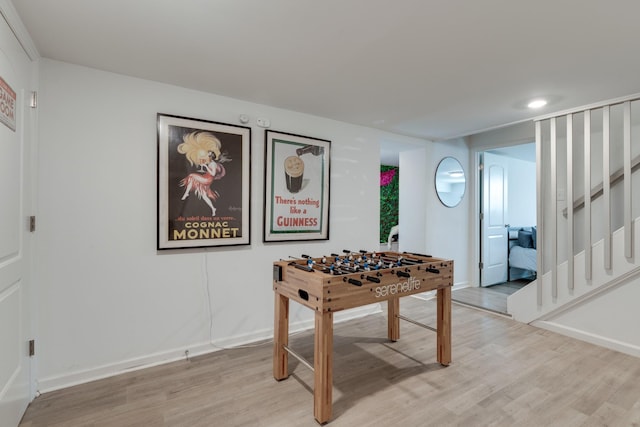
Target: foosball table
column 339, row 282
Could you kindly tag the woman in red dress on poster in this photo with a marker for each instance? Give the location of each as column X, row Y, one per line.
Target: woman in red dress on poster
column 203, row 148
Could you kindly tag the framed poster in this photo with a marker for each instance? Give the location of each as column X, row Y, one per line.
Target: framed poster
column 296, row 187
column 203, row 183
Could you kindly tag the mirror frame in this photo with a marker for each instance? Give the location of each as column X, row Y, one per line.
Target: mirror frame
column 464, row 178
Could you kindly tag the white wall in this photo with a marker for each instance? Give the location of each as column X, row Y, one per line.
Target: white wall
column 412, row 200
column 448, row 228
column 519, row 133
column 426, row 225
column 610, row 320
column 107, row 300
column 522, row 193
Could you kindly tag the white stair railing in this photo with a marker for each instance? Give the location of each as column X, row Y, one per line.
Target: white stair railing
column 556, row 168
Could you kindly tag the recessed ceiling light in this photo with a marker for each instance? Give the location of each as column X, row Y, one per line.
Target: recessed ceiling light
column 537, row 103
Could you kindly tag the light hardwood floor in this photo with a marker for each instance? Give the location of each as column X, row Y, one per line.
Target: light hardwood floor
column 503, row 373
column 492, row 298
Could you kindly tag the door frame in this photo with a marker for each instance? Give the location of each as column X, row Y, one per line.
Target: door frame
column 24, row 379
column 475, row 226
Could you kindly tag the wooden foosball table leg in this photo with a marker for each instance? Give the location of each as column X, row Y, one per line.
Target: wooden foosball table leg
column 281, row 337
column 444, row 326
column 393, row 319
column 323, row 367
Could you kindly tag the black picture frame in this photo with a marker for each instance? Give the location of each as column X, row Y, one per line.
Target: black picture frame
column 204, row 183
column 297, row 187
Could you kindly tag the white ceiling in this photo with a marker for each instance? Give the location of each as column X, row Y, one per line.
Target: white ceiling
column 434, row 69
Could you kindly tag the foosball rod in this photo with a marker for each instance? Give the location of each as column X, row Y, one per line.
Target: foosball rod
column 422, row 325
column 323, row 268
column 401, row 259
column 423, row 255
column 352, row 270
column 302, row 360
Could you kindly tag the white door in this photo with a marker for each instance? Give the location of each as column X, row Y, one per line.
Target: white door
column 15, row 209
column 494, row 238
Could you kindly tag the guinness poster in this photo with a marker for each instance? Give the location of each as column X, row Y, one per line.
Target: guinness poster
column 296, row 187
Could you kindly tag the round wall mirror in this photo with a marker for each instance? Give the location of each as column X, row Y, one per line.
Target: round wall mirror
column 450, row 182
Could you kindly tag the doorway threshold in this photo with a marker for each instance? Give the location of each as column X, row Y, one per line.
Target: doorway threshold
column 491, row 298
column 477, row 307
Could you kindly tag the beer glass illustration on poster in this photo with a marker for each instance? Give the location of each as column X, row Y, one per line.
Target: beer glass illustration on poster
column 203, row 183
column 297, row 187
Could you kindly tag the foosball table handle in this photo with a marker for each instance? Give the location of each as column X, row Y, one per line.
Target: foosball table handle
column 353, row 281
column 370, row 278
column 413, row 253
column 403, row 274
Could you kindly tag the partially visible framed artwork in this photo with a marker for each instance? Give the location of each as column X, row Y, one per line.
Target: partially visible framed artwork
column 296, row 187
column 203, row 183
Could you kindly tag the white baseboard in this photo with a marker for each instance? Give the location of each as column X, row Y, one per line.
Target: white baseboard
column 460, row 285
column 609, row 343
column 47, row 384
column 70, row 379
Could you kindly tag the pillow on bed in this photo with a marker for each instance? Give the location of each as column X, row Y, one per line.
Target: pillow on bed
column 534, row 237
column 525, row 239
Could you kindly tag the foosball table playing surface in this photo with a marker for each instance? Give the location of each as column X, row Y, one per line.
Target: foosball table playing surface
column 339, row 282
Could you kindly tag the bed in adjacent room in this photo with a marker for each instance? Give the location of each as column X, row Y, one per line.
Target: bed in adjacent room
column 522, row 253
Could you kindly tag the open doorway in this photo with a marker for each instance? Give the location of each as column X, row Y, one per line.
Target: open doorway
column 507, row 202
column 389, row 207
